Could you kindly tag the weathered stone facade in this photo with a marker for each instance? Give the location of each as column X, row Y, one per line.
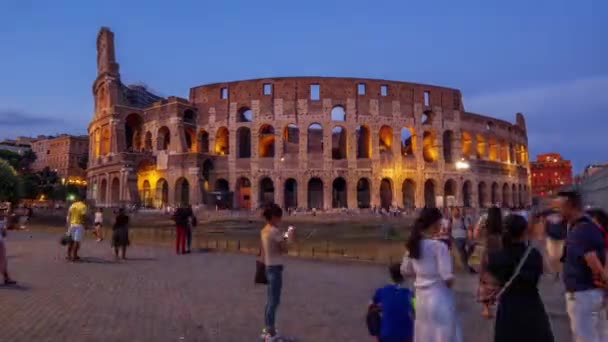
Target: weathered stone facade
column 317, row 142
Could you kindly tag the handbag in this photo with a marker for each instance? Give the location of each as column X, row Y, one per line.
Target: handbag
column 260, row 269
column 495, row 297
column 66, row 239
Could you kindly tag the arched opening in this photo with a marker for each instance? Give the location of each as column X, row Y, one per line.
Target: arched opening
column 222, row 141
column 96, row 137
column 115, row 192
column 243, row 193
column 512, row 155
column 449, row 194
column 315, row 193
column 481, row 146
column 364, row 142
column 407, row 141
column 408, row 190
column 163, row 139
column 190, row 117
column 182, row 191
column 504, row 152
column 427, row 117
column 291, row 139
column 146, row 194
column 493, row 152
column 266, row 191
column 291, row 193
column 506, row 196
column 103, row 192
column 429, row 194
column 338, row 193
column 514, row 195
column 244, row 115
column 162, row 193
column 466, row 142
column 190, row 135
column 386, row 193
column 363, row 193
column 221, row 185
column 148, row 142
column 133, row 132
column 205, row 178
column 315, row 139
column 338, row 143
column 203, row 141
column 482, row 194
column 385, row 140
column 466, row 194
column 338, row 114
column 266, row 141
column 429, row 150
column 105, row 141
column 448, row 138
column 243, row 142
column 494, row 196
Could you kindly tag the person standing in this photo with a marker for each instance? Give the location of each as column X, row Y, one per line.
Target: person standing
column 430, row 262
column 120, row 234
column 191, row 224
column 584, row 260
column 182, row 217
column 76, row 221
column 3, row 258
column 521, row 314
column 490, row 230
column 395, row 304
column 274, row 244
column 556, row 231
column 459, row 234
column 98, row 224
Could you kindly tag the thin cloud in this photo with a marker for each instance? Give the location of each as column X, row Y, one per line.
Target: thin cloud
column 568, row 117
column 10, row 117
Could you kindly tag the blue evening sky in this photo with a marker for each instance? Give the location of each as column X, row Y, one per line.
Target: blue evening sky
column 545, row 58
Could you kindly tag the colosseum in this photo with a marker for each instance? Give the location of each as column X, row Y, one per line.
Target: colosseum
column 302, row 142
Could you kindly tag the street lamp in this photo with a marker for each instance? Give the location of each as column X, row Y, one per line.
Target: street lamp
column 462, row 165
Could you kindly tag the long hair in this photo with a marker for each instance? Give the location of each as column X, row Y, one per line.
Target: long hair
column 515, row 227
column 427, row 218
column 494, row 222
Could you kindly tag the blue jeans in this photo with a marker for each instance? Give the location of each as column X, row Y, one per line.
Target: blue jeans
column 188, row 237
column 463, row 251
column 275, row 283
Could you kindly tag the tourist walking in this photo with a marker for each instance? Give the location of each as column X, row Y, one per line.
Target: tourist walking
column 394, row 302
column 191, row 224
column 430, row 262
column 76, row 221
column 489, row 229
column 120, row 234
column 3, row 259
column 274, row 244
column 516, row 269
column 556, row 231
column 98, row 224
column 460, row 235
column 584, row 271
column 182, row 217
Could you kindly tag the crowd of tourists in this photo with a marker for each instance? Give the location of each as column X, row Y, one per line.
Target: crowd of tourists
column 511, row 267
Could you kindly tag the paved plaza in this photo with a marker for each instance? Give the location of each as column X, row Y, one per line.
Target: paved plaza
column 158, row 296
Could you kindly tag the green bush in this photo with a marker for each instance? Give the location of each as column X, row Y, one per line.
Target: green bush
column 9, row 182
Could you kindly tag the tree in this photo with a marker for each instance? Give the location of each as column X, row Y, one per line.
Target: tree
column 27, row 159
column 31, row 185
column 83, row 161
column 13, row 158
column 9, row 182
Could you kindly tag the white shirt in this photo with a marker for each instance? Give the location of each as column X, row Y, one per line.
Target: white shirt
column 98, row 217
column 271, row 238
column 434, row 265
column 459, row 230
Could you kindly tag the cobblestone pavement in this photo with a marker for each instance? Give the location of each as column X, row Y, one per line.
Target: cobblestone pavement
column 159, row 296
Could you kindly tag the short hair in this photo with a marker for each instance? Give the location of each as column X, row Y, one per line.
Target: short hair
column 395, row 271
column 272, row 210
column 573, row 198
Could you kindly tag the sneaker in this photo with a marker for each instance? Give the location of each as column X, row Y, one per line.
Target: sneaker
column 99, row 240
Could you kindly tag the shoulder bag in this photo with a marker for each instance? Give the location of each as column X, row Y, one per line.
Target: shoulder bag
column 260, row 268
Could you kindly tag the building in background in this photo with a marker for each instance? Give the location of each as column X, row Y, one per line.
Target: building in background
column 17, row 145
column 62, row 154
column 550, row 172
column 593, row 185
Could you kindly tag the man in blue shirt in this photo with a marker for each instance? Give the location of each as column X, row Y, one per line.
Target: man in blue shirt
column 396, row 306
column 583, row 266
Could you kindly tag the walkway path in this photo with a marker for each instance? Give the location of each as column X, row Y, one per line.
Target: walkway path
column 158, row 296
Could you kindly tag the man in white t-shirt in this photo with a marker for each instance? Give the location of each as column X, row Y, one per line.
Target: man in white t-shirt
column 459, row 232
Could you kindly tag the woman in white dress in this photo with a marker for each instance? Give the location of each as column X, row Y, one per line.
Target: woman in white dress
column 430, row 262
